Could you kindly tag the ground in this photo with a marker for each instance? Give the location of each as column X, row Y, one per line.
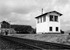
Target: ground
column 56, row 38
column 8, row 45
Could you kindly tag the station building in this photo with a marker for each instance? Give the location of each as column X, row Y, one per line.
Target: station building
column 7, row 28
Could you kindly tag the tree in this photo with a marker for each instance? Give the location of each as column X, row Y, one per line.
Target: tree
column 34, row 31
column 62, row 31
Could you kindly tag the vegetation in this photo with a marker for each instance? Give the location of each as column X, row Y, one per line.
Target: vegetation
column 23, row 29
column 62, row 31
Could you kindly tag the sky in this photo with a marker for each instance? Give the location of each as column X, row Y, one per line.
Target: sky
column 24, row 11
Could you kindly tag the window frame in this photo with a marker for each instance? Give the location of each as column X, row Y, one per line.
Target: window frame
column 50, row 28
column 41, row 19
column 51, row 17
column 56, row 18
column 57, row 28
column 37, row 20
column 44, row 18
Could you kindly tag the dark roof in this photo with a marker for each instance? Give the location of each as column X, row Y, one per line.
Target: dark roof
column 48, row 13
column 5, row 22
column 14, row 25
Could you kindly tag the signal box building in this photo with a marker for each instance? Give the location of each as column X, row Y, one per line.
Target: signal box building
column 48, row 22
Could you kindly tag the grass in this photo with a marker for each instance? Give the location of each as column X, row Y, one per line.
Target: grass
column 57, row 38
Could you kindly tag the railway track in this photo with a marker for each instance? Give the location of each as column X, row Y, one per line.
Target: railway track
column 36, row 44
column 20, row 45
column 7, row 44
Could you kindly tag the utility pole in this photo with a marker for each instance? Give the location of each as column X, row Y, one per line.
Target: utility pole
column 42, row 10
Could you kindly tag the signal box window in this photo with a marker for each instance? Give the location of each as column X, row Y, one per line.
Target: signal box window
column 56, row 28
column 44, row 18
column 51, row 18
column 41, row 19
column 56, row 18
column 37, row 20
column 50, row 28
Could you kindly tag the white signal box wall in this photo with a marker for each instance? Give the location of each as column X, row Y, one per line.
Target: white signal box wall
column 48, row 22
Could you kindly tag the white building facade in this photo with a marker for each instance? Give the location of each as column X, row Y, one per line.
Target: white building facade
column 48, row 22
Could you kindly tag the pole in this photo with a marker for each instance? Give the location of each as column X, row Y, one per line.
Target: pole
column 42, row 10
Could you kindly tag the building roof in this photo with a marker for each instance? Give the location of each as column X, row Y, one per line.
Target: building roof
column 49, row 13
column 4, row 22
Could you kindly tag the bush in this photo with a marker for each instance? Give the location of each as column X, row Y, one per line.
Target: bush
column 62, row 31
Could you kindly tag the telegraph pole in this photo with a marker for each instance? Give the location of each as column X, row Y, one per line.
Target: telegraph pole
column 42, row 10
